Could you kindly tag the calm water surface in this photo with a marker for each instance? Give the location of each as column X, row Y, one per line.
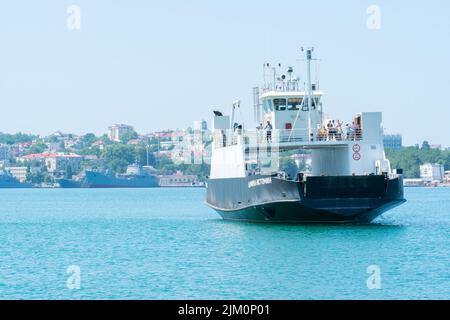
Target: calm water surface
column 166, row 244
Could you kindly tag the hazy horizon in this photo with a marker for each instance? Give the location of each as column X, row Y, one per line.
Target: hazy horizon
column 164, row 65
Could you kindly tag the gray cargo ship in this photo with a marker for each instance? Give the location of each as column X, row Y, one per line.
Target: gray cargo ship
column 8, row 181
column 135, row 177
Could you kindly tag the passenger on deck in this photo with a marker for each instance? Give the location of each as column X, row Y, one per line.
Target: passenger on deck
column 330, row 130
column 357, row 132
column 339, row 130
column 351, row 132
column 347, row 131
column 322, row 134
column 224, row 138
column 260, row 127
column 268, row 132
column 259, row 132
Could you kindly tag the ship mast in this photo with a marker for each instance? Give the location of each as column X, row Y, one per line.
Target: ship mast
column 309, row 88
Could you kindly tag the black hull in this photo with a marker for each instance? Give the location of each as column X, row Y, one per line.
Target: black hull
column 351, row 199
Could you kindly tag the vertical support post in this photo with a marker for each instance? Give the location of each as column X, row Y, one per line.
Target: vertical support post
column 256, row 105
column 309, row 90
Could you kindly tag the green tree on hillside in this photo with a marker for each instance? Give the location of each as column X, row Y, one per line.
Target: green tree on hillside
column 38, row 147
column 118, row 156
column 88, row 139
column 410, row 158
column 7, row 138
column 130, row 135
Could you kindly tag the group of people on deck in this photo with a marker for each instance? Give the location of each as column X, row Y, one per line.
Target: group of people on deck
column 268, row 128
column 334, row 131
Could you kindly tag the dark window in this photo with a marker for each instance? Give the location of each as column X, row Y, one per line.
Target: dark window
column 314, row 103
column 294, row 103
column 280, row 104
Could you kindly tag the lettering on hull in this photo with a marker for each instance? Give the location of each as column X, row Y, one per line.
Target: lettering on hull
column 259, row 182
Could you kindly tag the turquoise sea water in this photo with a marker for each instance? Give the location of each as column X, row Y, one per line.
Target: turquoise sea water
column 166, row 244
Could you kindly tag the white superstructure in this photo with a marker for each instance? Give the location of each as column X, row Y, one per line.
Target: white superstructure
column 289, row 116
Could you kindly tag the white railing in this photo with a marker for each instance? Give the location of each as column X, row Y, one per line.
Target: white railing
column 286, row 86
column 276, row 136
column 280, row 136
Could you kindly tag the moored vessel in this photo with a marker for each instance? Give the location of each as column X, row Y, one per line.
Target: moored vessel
column 351, row 179
column 135, row 177
column 9, row 181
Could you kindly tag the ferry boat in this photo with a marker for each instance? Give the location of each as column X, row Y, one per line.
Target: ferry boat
column 135, row 177
column 351, row 179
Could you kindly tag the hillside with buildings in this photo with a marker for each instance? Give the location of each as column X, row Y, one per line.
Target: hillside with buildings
column 179, row 156
column 426, row 164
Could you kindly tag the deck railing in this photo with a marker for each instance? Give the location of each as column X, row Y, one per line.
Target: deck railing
column 281, row 136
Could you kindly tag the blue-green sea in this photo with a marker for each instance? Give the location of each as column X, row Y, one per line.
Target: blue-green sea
column 166, row 244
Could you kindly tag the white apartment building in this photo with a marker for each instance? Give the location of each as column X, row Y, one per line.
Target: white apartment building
column 200, row 125
column 58, row 163
column 432, row 172
column 116, row 132
column 20, row 173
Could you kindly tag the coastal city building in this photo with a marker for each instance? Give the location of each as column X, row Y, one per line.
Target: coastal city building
column 134, row 141
column 117, row 131
column 59, row 141
column 392, row 141
column 20, row 173
column 414, row 182
column 190, row 148
column 56, row 163
column 55, row 146
column 59, row 163
column 432, row 172
column 200, row 125
column 100, row 144
column 436, row 146
column 4, row 152
column 179, row 180
column 447, row 177
column 8, row 151
column 169, row 140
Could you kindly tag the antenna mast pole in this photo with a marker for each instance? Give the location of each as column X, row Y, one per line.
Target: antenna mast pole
column 309, row 88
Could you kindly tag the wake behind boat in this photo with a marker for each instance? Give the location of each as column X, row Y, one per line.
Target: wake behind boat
column 351, row 178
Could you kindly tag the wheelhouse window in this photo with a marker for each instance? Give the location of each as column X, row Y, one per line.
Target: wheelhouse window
column 268, row 105
column 294, row 103
column 279, row 104
column 314, row 103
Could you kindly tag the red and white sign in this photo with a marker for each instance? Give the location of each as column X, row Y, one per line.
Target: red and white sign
column 356, row 156
column 356, row 148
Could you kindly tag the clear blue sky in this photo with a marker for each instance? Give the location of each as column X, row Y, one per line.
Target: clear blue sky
column 165, row 64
